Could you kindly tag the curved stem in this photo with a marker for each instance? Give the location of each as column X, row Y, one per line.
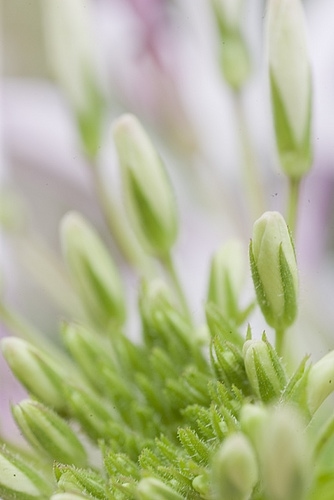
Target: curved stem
column 292, row 210
column 250, row 171
column 168, row 264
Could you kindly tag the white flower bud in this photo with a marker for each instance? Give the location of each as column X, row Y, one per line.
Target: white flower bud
column 320, row 382
column 147, row 189
column 93, row 272
column 290, row 84
column 274, row 270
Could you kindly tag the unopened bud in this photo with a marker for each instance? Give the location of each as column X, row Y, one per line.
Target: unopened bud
column 235, row 470
column 320, row 382
column 226, row 279
column 264, row 369
column 37, row 371
column 285, row 456
column 49, row 433
column 274, row 270
column 93, row 272
column 235, row 60
column 290, row 82
column 18, row 480
column 150, row 488
column 150, row 201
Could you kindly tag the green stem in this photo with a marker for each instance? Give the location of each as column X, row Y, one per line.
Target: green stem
column 279, row 341
column 168, row 264
column 292, row 210
column 250, row 171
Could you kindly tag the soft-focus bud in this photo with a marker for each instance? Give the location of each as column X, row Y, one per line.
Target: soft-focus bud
column 235, row 60
column 285, row 456
column 226, row 279
column 234, row 468
column 19, row 481
column 320, row 382
column 48, row 433
column 93, row 272
column 150, row 201
column 290, row 82
column 264, row 369
column 69, row 44
column 37, row 371
column 274, row 270
column 253, row 419
column 150, row 488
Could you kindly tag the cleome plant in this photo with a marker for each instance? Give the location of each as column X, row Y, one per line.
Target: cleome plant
column 183, row 412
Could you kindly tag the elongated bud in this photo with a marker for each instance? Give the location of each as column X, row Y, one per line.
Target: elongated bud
column 18, row 480
column 69, row 44
column 149, row 488
column 147, row 189
column 264, row 369
column 290, row 82
column 48, row 433
column 320, row 382
column 274, row 270
column 235, row 470
column 37, row 371
column 93, row 272
column 226, row 279
column 284, row 456
column 253, row 420
column 235, row 60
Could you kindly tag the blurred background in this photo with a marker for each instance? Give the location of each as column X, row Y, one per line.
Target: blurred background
column 70, row 68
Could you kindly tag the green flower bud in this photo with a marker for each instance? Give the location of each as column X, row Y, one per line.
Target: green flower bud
column 234, row 468
column 264, row 369
column 285, row 456
column 20, row 481
column 48, row 433
column 69, row 43
column 37, row 371
column 290, row 82
column 235, row 60
column 72, row 480
column 93, row 272
column 147, row 189
column 226, row 279
column 274, row 270
column 253, row 419
column 320, row 382
column 150, row 488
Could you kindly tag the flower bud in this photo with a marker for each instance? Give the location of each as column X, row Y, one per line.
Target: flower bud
column 48, row 433
column 235, row 61
column 93, row 272
column 37, row 371
column 18, row 480
column 274, row 270
column 285, row 456
column 147, row 189
column 234, row 469
column 72, row 480
column 226, row 279
column 69, row 42
column 264, row 369
column 150, row 488
column 320, row 382
column 253, row 419
column 290, row 82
